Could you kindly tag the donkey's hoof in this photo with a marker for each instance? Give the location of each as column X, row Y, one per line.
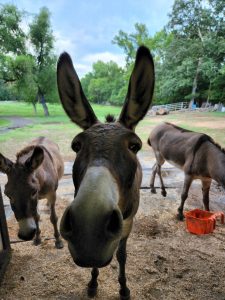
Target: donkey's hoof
column 125, row 295
column 164, row 193
column 59, row 244
column 92, row 292
column 153, row 190
column 37, row 241
column 180, row 217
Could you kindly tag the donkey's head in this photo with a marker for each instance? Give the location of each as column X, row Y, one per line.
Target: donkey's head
column 105, row 171
column 22, row 190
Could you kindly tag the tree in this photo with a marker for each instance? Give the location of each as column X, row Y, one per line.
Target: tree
column 130, row 42
column 158, row 45
column 189, row 53
column 5, row 93
column 12, row 37
column 27, row 74
column 12, row 40
column 105, row 83
column 25, row 82
column 194, row 23
column 42, row 39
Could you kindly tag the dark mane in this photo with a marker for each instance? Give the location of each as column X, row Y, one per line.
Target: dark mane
column 110, row 118
column 211, row 140
column 179, row 128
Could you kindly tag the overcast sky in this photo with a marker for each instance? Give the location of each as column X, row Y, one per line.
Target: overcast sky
column 85, row 28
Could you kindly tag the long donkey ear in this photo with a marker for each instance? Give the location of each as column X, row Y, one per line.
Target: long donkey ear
column 71, row 94
column 36, row 159
column 140, row 89
column 5, row 164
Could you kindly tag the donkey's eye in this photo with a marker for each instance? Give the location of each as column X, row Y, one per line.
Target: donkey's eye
column 33, row 194
column 135, row 147
column 76, row 146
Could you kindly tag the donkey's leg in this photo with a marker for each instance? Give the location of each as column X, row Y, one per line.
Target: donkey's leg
column 54, row 219
column 187, row 183
column 163, row 189
column 152, row 180
column 205, row 192
column 121, row 257
column 93, row 283
column 37, row 238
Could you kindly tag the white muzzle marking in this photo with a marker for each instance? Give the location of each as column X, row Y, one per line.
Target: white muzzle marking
column 99, row 184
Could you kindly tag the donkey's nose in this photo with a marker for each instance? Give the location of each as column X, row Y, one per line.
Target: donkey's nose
column 113, row 225
column 28, row 236
column 27, row 229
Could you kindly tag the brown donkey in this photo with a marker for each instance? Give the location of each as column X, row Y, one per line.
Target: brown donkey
column 106, row 171
column 195, row 153
column 33, row 176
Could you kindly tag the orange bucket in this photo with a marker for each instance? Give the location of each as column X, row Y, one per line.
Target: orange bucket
column 202, row 222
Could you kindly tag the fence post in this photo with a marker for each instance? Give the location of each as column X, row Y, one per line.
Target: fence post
column 5, row 249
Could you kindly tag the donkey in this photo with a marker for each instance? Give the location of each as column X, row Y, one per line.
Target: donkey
column 33, row 176
column 195, row 153
column 106, row 171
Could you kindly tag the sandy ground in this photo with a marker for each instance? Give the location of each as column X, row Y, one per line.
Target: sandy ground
column 164, row 260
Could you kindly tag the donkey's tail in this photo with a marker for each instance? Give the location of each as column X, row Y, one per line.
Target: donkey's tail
column 148, row 141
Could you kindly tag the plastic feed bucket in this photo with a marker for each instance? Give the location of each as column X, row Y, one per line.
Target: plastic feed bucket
column 202, row 222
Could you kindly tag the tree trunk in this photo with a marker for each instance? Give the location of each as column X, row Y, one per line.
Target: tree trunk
column 44, row 105
column 34, row 107
column 195, row 82
column 208, row 97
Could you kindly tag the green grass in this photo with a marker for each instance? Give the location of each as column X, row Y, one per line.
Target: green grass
column 57, row 127
column 57, row 114
column 4, row 123
column 60, row 129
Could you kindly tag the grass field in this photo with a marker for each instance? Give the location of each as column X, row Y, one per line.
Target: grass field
column 11, row 108
column 59, row 128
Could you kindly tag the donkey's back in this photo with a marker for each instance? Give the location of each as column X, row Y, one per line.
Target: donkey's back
column 51, row 151
column 175, row 144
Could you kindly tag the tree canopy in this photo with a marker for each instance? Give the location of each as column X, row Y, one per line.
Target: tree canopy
column 189, row 52
column 189, row 55
column 27, row 60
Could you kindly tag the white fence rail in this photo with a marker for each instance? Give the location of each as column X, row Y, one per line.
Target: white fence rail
column 172, row 106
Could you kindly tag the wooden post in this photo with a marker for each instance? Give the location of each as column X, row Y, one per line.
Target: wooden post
column 5, row 249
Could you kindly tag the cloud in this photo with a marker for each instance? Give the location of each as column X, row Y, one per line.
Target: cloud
column 82, row 69
column 105, row 57
column 63, row 43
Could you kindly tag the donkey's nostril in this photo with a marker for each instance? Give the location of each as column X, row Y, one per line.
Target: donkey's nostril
column 114, row 223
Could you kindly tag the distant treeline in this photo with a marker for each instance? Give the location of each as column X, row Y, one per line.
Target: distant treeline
column 189, row 54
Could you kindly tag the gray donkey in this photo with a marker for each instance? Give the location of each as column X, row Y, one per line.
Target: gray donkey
column 195, row 153
column 106, row 171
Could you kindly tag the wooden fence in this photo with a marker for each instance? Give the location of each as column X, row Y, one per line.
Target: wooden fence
column 172, row 106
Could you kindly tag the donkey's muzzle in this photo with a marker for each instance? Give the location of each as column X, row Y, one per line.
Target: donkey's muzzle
column 28, row 236
column 91, row 263
column 27, row 229
column 92, row 244
column 93, row 223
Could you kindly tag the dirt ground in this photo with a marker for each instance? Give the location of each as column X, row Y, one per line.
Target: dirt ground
column 164, row 260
